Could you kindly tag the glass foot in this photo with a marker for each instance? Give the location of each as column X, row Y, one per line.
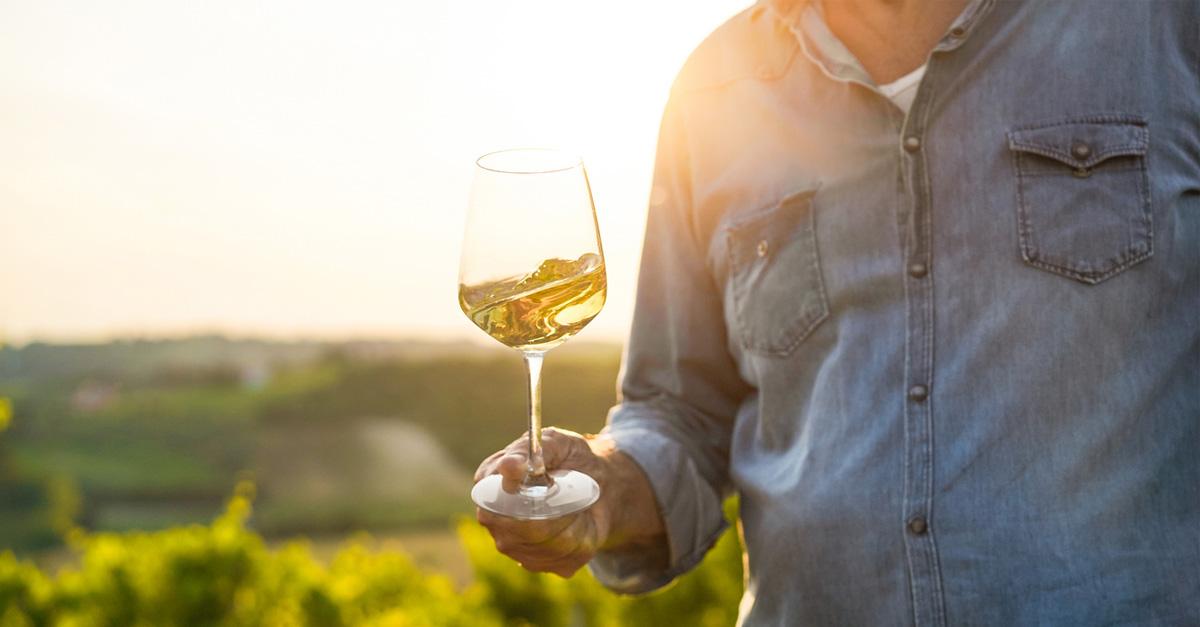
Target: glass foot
column 572, row 491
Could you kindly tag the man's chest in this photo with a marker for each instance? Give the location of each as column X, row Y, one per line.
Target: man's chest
column 816, row 196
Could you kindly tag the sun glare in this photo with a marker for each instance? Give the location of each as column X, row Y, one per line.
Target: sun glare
column 291, row 169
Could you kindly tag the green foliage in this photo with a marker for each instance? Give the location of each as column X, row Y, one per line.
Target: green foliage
column 6, row 412
column 706, row 597
column 179, row 431
column 223, row 574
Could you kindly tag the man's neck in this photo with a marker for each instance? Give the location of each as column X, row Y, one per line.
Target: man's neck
column 891, row 37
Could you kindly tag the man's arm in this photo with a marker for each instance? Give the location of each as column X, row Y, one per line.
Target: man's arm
column 680, row 387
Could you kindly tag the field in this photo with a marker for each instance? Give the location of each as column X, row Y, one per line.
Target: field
column 337, row 438
column 123, row 454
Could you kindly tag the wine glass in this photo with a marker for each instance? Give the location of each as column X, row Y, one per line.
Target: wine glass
column 531, row 276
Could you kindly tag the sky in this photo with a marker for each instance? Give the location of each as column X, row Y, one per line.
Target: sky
column 301, row 169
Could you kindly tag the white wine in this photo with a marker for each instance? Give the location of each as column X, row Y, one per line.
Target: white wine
column 536, row 202
column 542, row 309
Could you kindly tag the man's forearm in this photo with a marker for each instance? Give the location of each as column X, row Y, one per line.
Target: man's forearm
column 636, row 525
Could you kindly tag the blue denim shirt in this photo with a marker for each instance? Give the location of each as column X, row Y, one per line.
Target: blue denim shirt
column 948, row 360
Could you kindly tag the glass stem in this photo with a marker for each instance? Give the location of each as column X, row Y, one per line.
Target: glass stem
column 536, row 479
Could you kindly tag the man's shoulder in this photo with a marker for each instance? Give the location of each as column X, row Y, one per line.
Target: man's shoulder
column 754, row 44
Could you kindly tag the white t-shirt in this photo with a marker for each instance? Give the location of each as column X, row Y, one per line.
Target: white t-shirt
column 903, row 90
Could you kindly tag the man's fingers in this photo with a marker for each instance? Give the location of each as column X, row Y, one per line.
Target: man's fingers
column 528, row 531
column 563, row 448
column 559, row 545
column 563, row 567
column 559, row 447
column 512, row 468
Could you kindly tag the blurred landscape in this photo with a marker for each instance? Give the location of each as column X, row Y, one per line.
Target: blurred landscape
column 337, row 436
column 216, row 481
column 292, row 170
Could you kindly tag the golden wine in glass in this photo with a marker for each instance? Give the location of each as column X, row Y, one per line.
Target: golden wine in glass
column 532, row 276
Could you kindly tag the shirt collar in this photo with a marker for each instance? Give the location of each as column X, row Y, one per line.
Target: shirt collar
column 803, row 18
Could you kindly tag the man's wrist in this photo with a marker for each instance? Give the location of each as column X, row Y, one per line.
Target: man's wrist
column 627, row 500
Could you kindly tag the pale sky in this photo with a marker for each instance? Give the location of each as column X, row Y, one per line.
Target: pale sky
column 299, row 168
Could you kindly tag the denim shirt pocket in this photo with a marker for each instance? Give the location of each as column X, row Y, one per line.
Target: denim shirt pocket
column 1083, row 195
column 778, row 296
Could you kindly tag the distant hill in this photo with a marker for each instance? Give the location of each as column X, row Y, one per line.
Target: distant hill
column 142, row 434
column 134, row 359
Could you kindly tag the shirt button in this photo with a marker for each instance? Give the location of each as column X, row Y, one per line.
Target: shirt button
column 918, row 393
column 917, row 270
column 957, row 32
column 918, row 526
column 763, row 248
column 1081, row 150
column 912, row 143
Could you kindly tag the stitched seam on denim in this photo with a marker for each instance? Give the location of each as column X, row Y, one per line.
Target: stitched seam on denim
column 1126, row 150
column 1098, row 118
column 1147, row 202
column 754, row 215
column 812, row 266
column 1129, row 255
column 1121, row 260
column 738, row 287
column 1090, row 277
column 1125, row 259
column 910, row 551
column 939, row 603
column 815, row 276
column 906, row 504
column 817, row 272
column 1060, row 172
column 1101, row 267
column 804, row 323
column 1024, row 235
column 926, row 591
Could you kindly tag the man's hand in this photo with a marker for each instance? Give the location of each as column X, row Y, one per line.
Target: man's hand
column 626, row 513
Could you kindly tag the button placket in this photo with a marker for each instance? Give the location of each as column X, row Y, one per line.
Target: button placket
column 920, row 547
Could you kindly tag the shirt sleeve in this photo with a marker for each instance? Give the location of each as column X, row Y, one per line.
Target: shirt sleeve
column 679, row 388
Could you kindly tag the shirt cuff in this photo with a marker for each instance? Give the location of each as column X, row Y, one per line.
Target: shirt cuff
column 690, row 508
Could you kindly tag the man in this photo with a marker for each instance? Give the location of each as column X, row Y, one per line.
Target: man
column 923, row 289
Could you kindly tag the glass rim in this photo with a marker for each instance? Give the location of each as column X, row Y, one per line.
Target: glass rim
column 562, row 161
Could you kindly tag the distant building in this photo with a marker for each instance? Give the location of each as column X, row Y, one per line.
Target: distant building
column 254, row 376
column 92, row 396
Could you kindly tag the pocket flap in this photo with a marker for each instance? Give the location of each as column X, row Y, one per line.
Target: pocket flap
column 1085, row 142
column 774, row 283
column 764, row 231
